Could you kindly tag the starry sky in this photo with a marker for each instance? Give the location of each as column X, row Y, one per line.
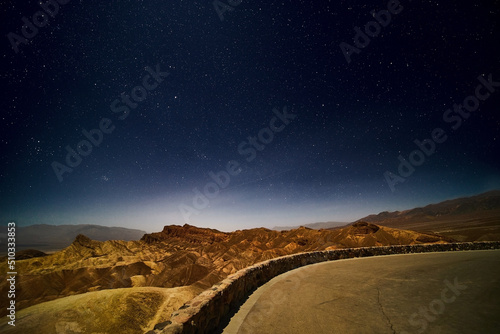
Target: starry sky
column 244, row 113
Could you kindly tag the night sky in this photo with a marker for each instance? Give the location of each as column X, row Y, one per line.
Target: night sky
column 263, row 102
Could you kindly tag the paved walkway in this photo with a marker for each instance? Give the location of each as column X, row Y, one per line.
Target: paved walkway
column 452, row 292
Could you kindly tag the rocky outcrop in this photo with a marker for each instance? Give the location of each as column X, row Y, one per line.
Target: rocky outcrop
column 364, row 228
column 187, row 233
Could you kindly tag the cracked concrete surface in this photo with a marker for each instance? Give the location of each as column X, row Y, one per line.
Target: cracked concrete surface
column 383, row 312
column 377, row 295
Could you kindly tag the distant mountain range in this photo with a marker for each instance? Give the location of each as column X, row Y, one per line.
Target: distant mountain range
column 475, row 218
column 316, row 226
column 486, row 202
column 48, row 238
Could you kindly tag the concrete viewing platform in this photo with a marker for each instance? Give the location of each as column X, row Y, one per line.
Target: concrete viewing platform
column 449, row 292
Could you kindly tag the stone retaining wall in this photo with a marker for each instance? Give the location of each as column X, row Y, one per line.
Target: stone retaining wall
column 205, row 312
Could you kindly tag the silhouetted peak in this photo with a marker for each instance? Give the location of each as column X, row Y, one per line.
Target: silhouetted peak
column 82, row 240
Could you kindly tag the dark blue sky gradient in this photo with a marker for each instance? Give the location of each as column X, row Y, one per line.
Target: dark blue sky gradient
column 225, row 78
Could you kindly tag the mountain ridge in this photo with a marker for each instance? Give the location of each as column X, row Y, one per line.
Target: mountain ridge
column 483, row 202
column 482, row 211
column 473, row 218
